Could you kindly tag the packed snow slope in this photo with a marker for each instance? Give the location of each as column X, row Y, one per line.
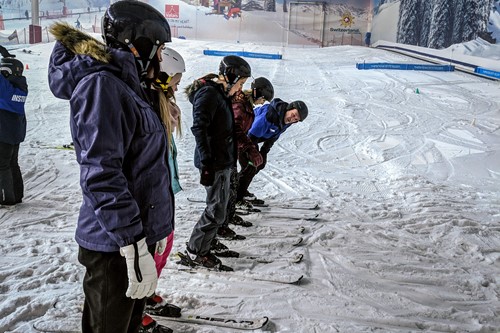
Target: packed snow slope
column 408, row 234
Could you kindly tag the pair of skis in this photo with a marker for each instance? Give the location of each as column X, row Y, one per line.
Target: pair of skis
column 234, row 322
column 292, row 211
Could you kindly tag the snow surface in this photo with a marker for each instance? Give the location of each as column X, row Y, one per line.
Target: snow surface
column 408, row 237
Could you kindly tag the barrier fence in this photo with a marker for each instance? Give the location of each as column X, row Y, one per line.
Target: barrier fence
column 408, row 67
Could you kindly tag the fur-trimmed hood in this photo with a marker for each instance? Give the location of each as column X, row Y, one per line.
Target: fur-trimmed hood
column 77, row 55
column 197, row 84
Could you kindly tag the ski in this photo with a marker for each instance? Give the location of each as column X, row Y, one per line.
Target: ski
column 279, row 205
column 56, row 325
column 221, row 321
column 65, row 147
column 31, row 52
column 293, row 240
column 276, row 277
column 295, row 259
column 287, row 214
column 304, row 205
column 195, row 200
column 69, row 146
column 264, row 231
column 313, row 206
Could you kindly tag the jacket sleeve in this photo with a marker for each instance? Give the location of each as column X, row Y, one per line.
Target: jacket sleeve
column 105, row 125
column 204, row 106
column 260, row 125
column 12, row 99
column 244, row 142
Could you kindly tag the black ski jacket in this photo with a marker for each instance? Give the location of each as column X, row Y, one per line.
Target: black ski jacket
column 213, row 127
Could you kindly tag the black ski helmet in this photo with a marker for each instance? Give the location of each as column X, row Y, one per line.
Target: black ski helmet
column 234, row 68
column 11, row 66
column 135, row 26
column 301, row 108
column 262, row 87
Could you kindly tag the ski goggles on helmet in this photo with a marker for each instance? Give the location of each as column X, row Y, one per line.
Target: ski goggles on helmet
column 163, row 80
column 5, row 71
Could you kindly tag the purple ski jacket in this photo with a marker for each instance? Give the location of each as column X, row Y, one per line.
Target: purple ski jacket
column 120, row 145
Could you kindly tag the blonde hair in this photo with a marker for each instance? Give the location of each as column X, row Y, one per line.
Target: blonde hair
column 166, row 101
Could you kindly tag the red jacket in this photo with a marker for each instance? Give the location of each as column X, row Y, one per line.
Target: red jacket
column 243, row 119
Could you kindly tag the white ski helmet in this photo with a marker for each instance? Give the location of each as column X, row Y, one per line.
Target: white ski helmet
column 172, row 62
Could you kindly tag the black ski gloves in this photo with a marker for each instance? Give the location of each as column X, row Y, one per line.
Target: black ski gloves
column 207, row 177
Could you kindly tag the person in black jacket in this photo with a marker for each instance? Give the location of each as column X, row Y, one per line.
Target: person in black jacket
column 215, row 152
column 13, row 93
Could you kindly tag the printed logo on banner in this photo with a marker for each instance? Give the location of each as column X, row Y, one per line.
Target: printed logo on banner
column 347, row 20
column 172, row 11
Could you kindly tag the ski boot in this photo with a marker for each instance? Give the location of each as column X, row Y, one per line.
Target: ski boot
column 156, row 305
column 238, row 220
column 222, row 250
column 149, row 325
column 250, row 197
column 208, row 260
column 227, row 233
column 246, row 206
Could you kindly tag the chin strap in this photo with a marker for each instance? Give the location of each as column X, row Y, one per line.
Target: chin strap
column 143, row 67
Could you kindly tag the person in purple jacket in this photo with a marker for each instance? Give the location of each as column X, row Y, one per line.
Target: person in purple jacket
column 13, row 93
column 121, row 146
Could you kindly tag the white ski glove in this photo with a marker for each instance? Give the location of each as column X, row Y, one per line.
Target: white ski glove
column 161, row 246
column 141, row 270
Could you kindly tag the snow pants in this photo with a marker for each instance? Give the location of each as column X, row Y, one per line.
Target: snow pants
column 233, row 191
column 106, row 308
column 214, row 214
column 11, row 180
column 246, row 174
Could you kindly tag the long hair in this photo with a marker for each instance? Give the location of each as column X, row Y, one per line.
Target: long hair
column 166, row 101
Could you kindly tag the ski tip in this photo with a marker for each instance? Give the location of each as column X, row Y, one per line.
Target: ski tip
column 298, row 258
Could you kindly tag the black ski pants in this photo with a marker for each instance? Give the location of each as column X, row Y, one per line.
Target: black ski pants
column 11, row 180
column 106, row 308
column 246, row 174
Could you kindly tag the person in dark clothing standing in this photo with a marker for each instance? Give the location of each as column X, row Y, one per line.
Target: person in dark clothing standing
column 261, row 91
column 215, row 152
column 271, row 120
column 121, row 145
column 13, row 93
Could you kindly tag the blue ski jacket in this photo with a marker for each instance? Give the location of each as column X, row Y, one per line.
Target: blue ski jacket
column 120, row 144
column 269, row 124
column 13, row 93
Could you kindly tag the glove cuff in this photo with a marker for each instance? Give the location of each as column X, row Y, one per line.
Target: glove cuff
column 133, row 250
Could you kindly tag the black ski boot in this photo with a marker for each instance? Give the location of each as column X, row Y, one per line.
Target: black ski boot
column 208, row 260
column 222, row 250
column 156, row 305
column 149, row 325
column 246, row 206
column 238, row 220
column 227, row 233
